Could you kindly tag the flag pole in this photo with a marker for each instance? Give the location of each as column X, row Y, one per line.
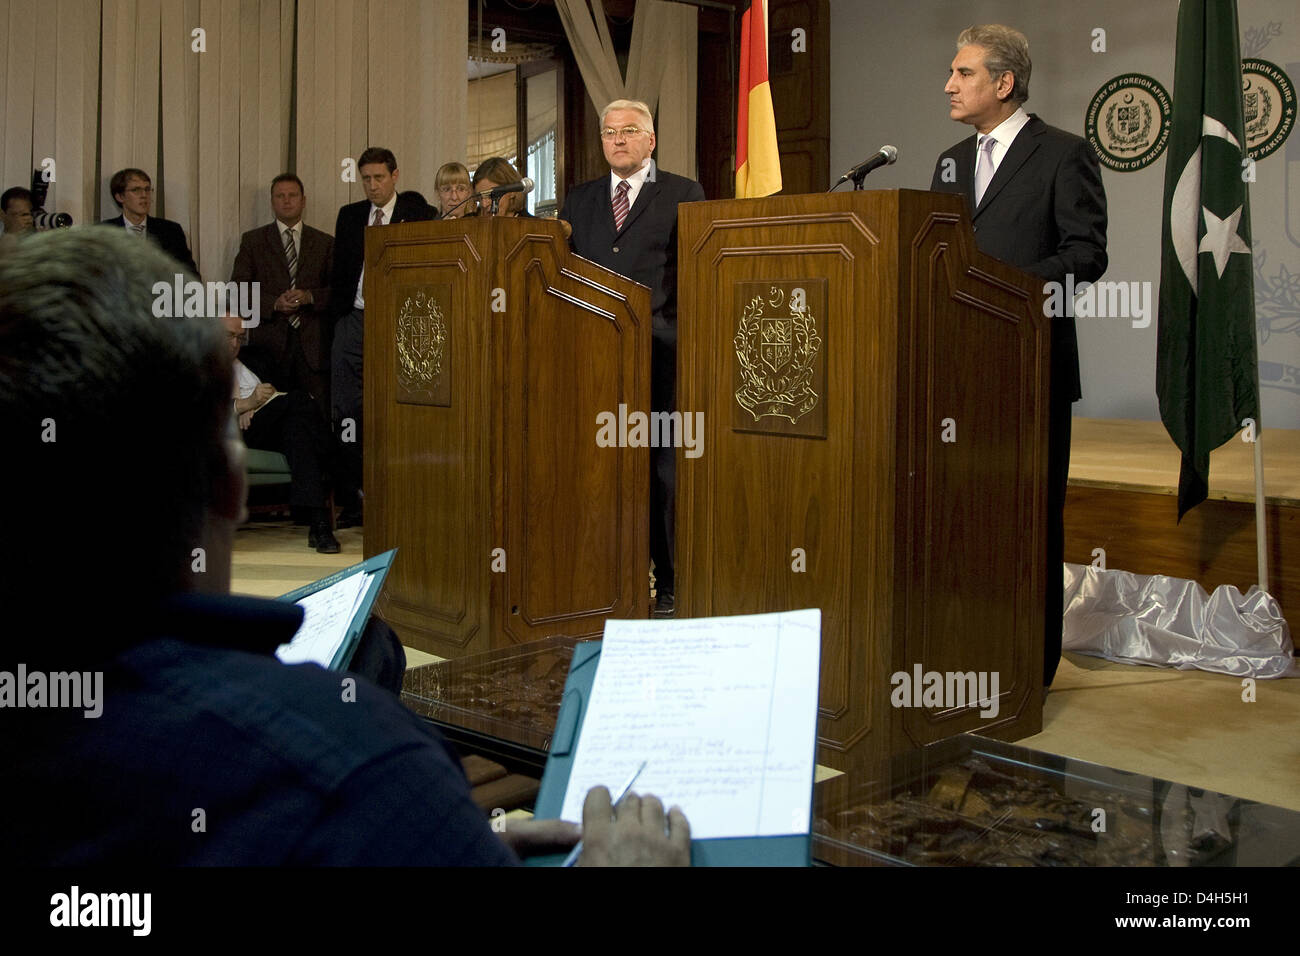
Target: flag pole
column 1261, row 524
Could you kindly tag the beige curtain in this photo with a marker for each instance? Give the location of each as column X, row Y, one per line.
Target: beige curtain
column 378, row 73
column 49, row 92
column 661, row 68
column 212, row 128
column 493, row 108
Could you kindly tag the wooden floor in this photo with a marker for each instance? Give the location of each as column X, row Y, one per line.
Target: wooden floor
column 1189, row 727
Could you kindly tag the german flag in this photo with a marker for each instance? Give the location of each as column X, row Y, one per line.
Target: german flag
column 758, row 162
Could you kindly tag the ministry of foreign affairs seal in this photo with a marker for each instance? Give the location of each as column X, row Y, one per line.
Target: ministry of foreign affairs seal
column 1268, row 98
column 1128, row 122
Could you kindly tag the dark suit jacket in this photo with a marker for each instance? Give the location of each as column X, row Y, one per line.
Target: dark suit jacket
column 261, row 259
column 1045, row 212
column 350, row 243
column 645, row 249
column 167, row 234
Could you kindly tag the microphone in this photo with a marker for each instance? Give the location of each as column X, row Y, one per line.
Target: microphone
column 887, row 155
column 525, row 185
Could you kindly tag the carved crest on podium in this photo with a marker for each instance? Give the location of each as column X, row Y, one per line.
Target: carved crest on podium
column 423, row 340
column 780, row 370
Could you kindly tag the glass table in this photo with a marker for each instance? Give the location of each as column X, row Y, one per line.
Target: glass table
column 964, row 801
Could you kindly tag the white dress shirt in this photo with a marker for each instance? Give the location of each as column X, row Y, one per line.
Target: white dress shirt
column 1004, row 134
column 634, row 183
column 245, row 381
column 360, row 301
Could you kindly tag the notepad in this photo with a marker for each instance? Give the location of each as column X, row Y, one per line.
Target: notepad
column 723, row 711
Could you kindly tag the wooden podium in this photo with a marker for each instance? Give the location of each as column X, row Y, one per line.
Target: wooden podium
column 874, row 393
column 490, row 350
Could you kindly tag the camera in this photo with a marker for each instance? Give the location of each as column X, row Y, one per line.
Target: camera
column 40, row 218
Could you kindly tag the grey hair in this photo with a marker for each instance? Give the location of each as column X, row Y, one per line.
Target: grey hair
column 636, row 105
column 1005, row 50
column 106, row 413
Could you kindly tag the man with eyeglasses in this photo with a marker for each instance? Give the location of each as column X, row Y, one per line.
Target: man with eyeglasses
column 132, row 190
column 627, row 222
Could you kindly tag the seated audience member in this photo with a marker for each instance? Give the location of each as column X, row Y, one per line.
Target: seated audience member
column 16, row 212
column 132, row 190
column 193, row 744
column 291, row 262
column 290, row 424
column 453, row 188
column 494, row 172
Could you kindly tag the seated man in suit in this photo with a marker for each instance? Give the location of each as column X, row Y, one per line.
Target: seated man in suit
column 132, row 190
column 382, row 206
column 290, row 424
column 1036, row 201
column 627, row 222
column 194, row 719
column 291, row 261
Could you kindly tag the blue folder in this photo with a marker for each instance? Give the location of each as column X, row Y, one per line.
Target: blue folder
column 792, row 850
column 377, row 567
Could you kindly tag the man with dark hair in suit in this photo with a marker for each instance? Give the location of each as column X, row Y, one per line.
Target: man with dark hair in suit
column 627, row 222
column 132, row 190
column 382, row 206
column 1036, row 201
column 292, row 263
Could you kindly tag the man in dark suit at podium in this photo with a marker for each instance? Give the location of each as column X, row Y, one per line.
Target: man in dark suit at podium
column 132, row 190
column 1036, row 201
column 382, row 206
column 627, row 222
column 291, row 262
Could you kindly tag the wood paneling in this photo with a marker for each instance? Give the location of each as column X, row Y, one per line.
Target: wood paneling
column 801, row 93
column 1214, row 544
column 512, row 462
column 917, row 550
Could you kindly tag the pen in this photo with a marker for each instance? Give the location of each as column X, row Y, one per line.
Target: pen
column 576, row 852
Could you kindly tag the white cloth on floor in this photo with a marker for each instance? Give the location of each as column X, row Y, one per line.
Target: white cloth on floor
column 1170, row 622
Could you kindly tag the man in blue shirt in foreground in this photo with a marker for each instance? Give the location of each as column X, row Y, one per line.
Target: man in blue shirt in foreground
column 199, row 746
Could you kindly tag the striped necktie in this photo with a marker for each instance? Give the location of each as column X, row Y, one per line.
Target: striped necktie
column 138, row 230
column 291, row 256
column 620, row 204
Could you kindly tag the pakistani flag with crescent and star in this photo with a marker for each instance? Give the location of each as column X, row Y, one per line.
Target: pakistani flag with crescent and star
column 1207, row 374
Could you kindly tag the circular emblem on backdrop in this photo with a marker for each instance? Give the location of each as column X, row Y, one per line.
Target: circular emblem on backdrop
column 1128, row 122
column 1268, row 97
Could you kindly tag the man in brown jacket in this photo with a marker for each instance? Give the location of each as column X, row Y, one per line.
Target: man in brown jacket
column 292, row 262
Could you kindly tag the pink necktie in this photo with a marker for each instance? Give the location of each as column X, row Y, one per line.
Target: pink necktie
column 620, row 205
column 984, row 168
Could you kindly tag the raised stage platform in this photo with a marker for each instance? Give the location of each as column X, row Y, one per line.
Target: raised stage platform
column 1123, row 498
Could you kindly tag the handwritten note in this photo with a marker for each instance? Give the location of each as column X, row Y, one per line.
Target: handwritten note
column 724, row 711
column 326, row 616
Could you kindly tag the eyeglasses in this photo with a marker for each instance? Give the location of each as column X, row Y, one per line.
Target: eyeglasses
column 141, row 190
column 627, row 132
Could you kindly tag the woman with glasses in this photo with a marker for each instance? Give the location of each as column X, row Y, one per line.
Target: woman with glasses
column 452, row 185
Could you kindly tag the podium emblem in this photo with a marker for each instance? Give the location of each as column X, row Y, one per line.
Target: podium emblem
column 422, row 347
column 780, row 364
